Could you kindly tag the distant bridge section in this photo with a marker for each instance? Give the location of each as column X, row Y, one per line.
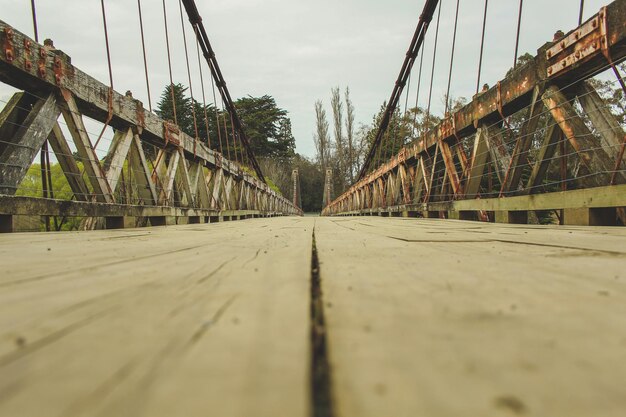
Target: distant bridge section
column 186, row 181
column 540, row 139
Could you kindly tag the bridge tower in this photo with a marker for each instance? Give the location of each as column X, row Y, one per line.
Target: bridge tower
column 328, row 188
column 297, row 197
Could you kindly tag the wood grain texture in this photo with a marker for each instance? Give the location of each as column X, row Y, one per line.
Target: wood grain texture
column 179, row 321
column 447, row 318
column 423, row 317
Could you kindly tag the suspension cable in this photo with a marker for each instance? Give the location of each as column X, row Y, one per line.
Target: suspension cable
column 209, row 55
column 206, row 117
column 217, row 117
column 110, row 101
column 34, row 14
column 432, row 73
column 145, row 59
column 169, row 63
column 580, row 14
column 419, row 84
column 519, row 25
column 482, row 46
column 193, row 101
column 411, row 55
column 232, row 128
column 456, row 19
column 44, row 159
column 226, row 133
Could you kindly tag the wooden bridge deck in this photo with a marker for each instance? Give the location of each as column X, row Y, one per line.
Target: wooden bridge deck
column 421, row 318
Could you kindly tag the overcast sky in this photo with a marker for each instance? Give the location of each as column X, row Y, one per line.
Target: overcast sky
column 296, row 50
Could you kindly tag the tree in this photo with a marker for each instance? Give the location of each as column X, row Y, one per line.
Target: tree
column 207, row 117
column 311, row 183
column 321, row 138
column 399, row 132
column 177, row 110
column 340, row 148
column 351, row 163
column 267, row 126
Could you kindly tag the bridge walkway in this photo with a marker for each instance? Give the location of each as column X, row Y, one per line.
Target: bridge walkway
column 416, row 317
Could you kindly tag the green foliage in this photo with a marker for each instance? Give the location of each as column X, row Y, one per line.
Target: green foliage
column 177, row 111
column 612, row 94
column 311, row 183
column 267, row 126
column 273, row 186
column 31, row 186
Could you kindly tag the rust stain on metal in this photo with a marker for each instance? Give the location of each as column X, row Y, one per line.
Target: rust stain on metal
column 41, row 66
column 58, row 70
column 141, row 114
column 28, row 64
column 171, row 134
column 578, row 45
column 8, row 45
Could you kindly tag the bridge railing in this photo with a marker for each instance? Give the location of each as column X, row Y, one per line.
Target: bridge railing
column 541, row 139
column 185, row 182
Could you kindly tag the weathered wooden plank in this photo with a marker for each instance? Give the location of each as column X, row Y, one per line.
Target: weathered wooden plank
column 184, row 183
column 595, row 159
column 604, row 121
column 32, row 206
column 26, row 143
column 500, row 157
column 546, row 153
column 68, row 164
column 478, row 162
column 463, row 334
column 114, row 161
column 218, row 180
column 608, row 196
column 95, row 173
column 13, row 115
column 519, row 158
column 141, row 172
column 452, row 175
column 184, row 320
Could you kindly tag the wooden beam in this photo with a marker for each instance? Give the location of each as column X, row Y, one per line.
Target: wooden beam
column 595, row 159
column 500, row 156
column 13, row 115
column 607, row 196
column 95, row 173
column 141, row 172
column 114, row 161
column 68, row 164
column 448, row 159
column 32, row 206
column 184, row 183
column 546, row 154
column 480, row 154
column 606, row 124
column 519, row 158
column 19, row 154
